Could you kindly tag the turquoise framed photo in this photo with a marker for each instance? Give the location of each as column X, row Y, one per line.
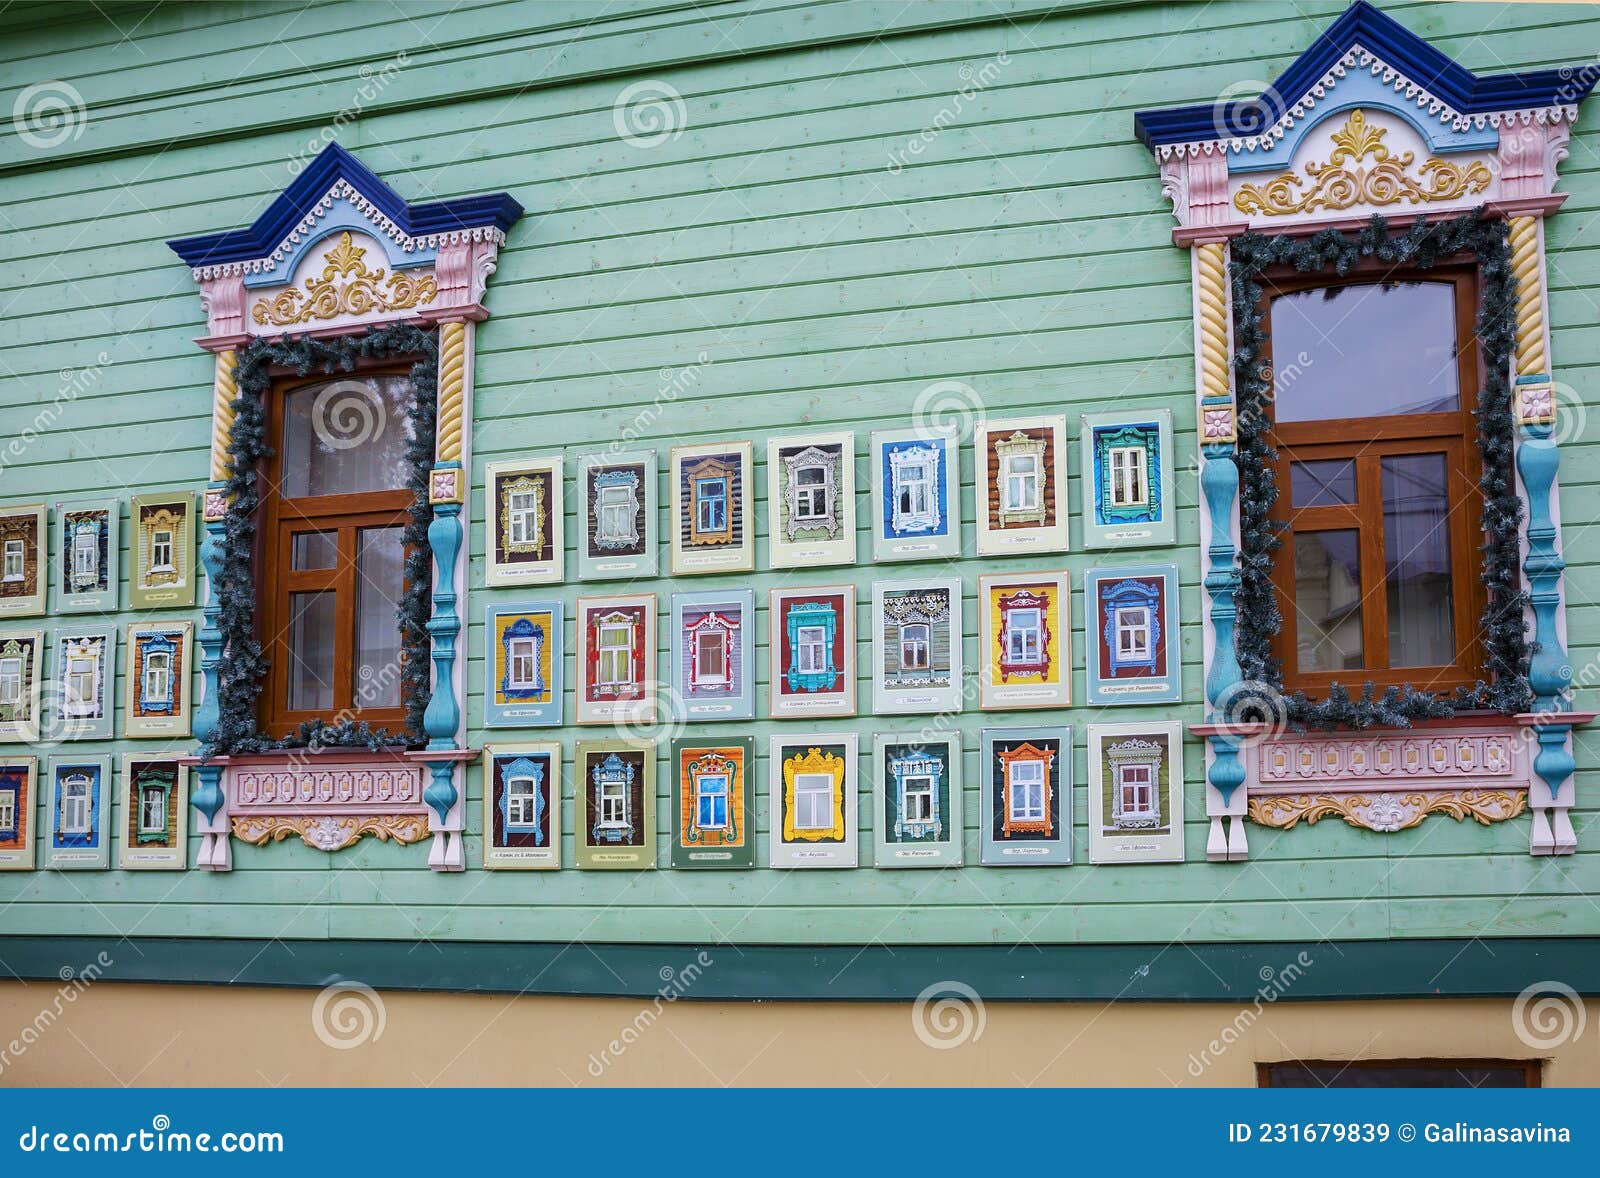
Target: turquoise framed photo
column 619, row 513
column 916, row 800
column 1126, row 464
column 916, row 494
column 78, row 794
column 85, row 670
column 522, row 663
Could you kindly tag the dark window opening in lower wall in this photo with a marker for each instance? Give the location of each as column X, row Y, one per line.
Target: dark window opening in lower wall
column 1400, row 1073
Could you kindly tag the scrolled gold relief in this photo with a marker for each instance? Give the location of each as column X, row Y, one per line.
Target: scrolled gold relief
column 1387, row 812
column 346, row 287
column 1334, row 186
column 331, row 832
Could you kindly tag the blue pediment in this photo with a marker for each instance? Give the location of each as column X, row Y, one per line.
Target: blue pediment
column 1360, row 59
column 335, row 180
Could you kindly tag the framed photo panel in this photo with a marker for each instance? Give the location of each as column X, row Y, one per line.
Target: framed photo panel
column 916, row 646
column 158, row 702
column 916, row 801
column 522, row 665
column 713, row 802
column 1025, row 797
column 155, row 813
column 1021, row 472
column 1126, row 463
column 164, row 571
column 522, row 806
column 1136, row 793
column 814, row 811
column 21, row 666
column 616, row 805
column 713, row 655
column 523, row 523
column 619, row 514
column 22, row 575
column 713, row 524
column 1025, row 640
column 19, row 777
column 916, row 494
column 78, row 797
column 85, row 671
column 88, row 556
column 813, row 649
column 1131, row 635
column 617, row 659
column 811, row 500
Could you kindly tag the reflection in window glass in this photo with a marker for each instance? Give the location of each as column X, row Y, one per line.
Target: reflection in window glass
column 346, row 436
column 313, row 550
column 1365, row 350
column 1327, row 482
column 1416, row 559
column 1327, row 576
column 380, row 583
column 311, row 625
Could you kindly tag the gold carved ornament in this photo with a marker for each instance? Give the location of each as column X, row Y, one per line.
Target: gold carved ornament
column 1334, row 185
column 361, row 293
column 1387, row 812
column 331, row 832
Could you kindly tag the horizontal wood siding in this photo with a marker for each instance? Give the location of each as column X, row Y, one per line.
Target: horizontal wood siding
column 833, row 232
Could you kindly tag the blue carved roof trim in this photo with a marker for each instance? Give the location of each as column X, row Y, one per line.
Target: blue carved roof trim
column 1398, row 47
column 493, row 210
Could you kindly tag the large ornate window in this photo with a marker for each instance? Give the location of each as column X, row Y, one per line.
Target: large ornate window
column 335, row 507
column 1375, row 380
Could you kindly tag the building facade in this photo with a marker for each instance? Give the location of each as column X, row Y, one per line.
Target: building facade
column 527, row 486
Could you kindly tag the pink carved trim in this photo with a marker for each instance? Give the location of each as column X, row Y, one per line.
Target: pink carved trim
column 1200, row 234
column 1527, row 206
column 300, row 783
column 1530, row 154
column 223, row 300
column 1208, row 191
column 1475, row 756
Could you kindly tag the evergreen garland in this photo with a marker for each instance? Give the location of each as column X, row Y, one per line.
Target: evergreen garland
column 243, row 665
column 1505, row 637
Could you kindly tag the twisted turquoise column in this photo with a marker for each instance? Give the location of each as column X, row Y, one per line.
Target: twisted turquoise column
column 443, row 715
column 1219, row 482
column 208, row 797
column 1549, row 667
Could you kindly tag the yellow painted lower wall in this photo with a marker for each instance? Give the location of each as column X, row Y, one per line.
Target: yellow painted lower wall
column 113, row 1034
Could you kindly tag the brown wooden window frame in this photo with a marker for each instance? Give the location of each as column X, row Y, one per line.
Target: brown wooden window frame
column 1368, row 441
column 276, row 578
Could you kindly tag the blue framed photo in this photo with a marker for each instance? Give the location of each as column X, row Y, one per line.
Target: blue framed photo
column 522, row 665
column 916, row 504
column 1133, row 655
column 79, row 800
column 1127, row 479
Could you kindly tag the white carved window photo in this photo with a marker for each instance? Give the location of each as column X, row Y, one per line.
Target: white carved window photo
column 158, row 677
column 614, row 644
column 152, row 810
column 813, row 642
column 522, row 514
column 1026, row 779
column 711, row 505
column 80, row 686
column 613, row 802
column 615, row 510
column 813, row 801
column 1133, row 632
column 1020, row 479
column 161, row 551
column 1136, row 784
column 811, row 493
column 10, row 682
column 75, row 804
column 524, row 663
column 914, row 639
column 8, row 809
column 85, row 557
column 711, row 801
column 13, row 560
column 1129, row 476
column 520, row 801
column 711, row 657
column 918, row 798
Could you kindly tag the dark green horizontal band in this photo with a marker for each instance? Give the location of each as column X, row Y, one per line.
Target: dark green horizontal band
column 1282, row 972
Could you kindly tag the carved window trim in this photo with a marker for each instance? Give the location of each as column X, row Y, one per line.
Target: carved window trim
column 1009, row 451
column 914, row 467
column 622, row 488
column 1137, row 757
column 812, row 458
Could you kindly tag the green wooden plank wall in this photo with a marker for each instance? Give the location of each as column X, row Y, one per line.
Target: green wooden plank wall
column 776, row 251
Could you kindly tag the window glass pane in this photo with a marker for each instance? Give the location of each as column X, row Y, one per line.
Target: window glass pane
column 1365, row 350
column 313, row 550
column 1416, row 559
column 1327, row 589
column 311, row 650
column 346, row 436
column 1324, row 483
column 380, row 583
